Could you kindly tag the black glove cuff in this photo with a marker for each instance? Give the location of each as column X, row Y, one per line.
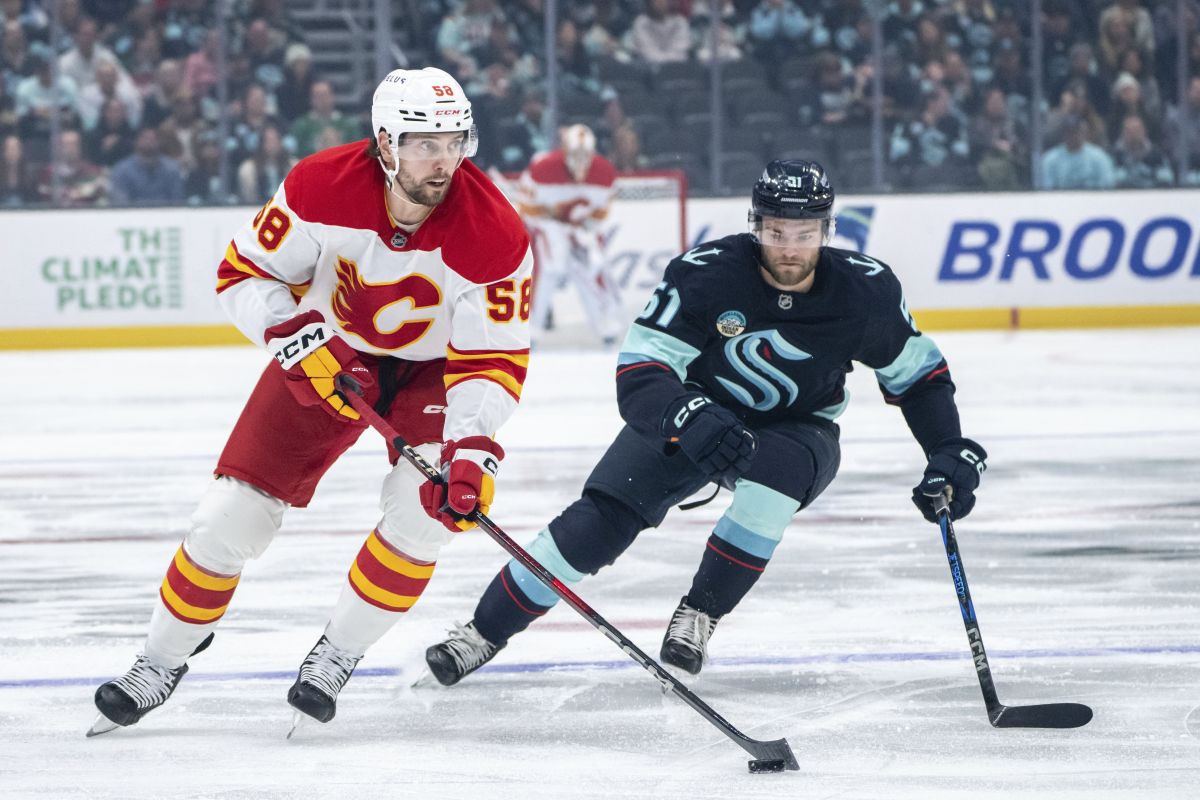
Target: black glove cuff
column 954, row 447
column 961, row 461
column 681, row 412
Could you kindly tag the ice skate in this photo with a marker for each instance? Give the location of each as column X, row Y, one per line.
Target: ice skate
column 685, row 644
column 145, row 687
column 464, row 652
column 323, row 673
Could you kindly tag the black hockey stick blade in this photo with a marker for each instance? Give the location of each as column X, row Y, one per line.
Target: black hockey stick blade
column 770, row 752
column 1048, row 715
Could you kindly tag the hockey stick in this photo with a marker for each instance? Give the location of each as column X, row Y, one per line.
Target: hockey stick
column 773, row 756
column 1048, row 715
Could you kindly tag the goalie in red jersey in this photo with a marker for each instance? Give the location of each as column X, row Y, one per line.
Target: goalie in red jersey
column 564, row 197
column 396, row 260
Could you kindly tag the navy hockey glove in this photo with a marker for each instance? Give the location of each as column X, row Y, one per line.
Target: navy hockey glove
column 711, row 436
column 956, row 464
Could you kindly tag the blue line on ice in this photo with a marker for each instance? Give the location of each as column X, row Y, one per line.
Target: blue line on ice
column 25, row 462
column 581, row 666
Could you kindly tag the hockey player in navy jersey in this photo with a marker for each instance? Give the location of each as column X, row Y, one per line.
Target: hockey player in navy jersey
column 734, row 374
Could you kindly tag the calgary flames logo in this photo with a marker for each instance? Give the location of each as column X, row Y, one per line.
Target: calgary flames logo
column 358, row 306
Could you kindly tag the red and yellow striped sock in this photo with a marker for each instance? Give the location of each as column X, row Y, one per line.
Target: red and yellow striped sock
column 386, row 578
column 194, row 594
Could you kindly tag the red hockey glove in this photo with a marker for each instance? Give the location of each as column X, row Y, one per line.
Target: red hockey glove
column 469, row 467
column 311, row 355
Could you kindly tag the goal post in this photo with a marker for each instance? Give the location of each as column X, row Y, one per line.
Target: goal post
column 665, row 184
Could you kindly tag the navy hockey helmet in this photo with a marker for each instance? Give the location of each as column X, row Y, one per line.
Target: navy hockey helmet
column 792, row 189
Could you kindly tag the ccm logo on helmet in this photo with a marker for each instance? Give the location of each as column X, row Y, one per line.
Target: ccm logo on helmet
column 447, row 112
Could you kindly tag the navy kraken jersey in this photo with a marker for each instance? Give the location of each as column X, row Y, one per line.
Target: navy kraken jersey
column 769, row 355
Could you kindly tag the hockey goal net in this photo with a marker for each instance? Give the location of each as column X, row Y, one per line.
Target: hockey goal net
column 655, row 198
column 646, row 227
column 660, row 185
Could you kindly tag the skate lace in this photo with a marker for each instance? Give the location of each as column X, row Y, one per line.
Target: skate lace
column 328, row 668
column 692, row 629
column 467, row 647
column 147, row 683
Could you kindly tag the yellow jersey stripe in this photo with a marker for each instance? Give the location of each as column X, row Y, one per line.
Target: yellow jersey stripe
column 520, row 359
column 500, row 377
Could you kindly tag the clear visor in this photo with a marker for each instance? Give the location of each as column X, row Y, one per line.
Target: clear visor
column 437, row 146
column 790, row 233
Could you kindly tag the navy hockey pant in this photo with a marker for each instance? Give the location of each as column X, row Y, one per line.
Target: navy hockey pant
column 632, row 488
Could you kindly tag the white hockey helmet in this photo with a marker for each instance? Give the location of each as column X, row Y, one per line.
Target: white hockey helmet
column 421, row 101
column 579, row 148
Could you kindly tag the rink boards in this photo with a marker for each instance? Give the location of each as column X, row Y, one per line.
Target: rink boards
column 146, row 276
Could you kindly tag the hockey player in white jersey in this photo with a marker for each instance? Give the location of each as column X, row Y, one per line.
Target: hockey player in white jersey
column 396, row 260
column 564, row 196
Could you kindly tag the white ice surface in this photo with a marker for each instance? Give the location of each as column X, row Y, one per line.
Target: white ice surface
column 1081, row 556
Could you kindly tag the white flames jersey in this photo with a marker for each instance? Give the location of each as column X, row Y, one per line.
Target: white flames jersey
column 457, row 288
column 548, row 191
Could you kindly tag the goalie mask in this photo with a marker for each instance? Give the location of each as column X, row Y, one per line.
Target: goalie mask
column 792, row 190
column 579, row 148
column 422, row 101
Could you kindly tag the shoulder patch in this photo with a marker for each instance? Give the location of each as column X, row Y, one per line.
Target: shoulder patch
column 859, row 263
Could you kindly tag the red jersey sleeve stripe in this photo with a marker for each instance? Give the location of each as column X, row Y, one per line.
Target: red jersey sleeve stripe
column 504, row 367
column 520, row 357
column 235, row 268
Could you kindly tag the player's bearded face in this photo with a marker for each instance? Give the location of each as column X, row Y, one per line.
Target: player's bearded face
column 791, row 248
column 427, row 163
column 425, row 183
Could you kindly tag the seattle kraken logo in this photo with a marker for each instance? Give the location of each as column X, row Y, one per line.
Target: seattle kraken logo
column 744, row 354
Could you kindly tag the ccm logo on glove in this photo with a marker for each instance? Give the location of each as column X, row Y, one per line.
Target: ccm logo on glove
column 290, row 351
column 687, row 408
column 954, row 468
column 712, row 436
column 311, row 356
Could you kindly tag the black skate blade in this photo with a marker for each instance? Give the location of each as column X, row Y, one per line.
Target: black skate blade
column 767, row 755
column 1048, row 715
column 101, row 726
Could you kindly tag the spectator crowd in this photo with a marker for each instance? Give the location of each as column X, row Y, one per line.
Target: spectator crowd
column 131, row 89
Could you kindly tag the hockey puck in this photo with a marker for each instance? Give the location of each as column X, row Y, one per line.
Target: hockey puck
column 768, row 765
